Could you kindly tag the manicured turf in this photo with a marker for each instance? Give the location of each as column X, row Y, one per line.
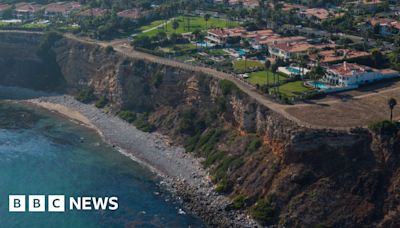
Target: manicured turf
column 243, row 65
column 152, row 25
column 217, row 52
column 179, row 47
column 196, row 23
column 292, row 89
column 262, row 77
column 34, row 25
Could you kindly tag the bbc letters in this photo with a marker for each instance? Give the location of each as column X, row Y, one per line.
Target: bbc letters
column 60, row 203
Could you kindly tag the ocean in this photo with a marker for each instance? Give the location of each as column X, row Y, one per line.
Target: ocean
column 44, row 154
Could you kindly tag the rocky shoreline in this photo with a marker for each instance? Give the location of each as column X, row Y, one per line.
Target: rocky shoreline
column 180, row 171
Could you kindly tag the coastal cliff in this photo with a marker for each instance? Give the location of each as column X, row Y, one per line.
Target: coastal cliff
column 284, row 174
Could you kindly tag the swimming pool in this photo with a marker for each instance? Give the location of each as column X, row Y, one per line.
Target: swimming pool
column 294, row 70
column 319, row 85
column 240, row 51
column 205, row 44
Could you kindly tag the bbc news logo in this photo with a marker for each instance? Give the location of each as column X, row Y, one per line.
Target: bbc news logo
column 57, row 203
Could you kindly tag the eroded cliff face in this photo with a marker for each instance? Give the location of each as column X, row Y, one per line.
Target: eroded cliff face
column 306, row 177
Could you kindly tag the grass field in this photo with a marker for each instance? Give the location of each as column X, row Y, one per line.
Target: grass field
column 262, row 77
column 34, row 26
column 151, row 25
column 179, row 47
column 243, row 65
column 196, row 23
column 292, row 89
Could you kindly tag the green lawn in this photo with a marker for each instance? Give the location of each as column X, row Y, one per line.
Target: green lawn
column 292, row 89
column 151, row 25
column 243, row 65
column 179, row 47
column 217, row 52
column 261, row 77
column 196, row 23
column 34, row 26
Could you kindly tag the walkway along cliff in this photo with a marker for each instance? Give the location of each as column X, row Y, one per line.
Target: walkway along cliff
column 284, row 174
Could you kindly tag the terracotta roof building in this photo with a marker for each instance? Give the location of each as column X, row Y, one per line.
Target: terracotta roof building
column 132, row 14
column 329, row 56
column 94, row 12
column 25, row 10
column 352, row 75
column 61, row 8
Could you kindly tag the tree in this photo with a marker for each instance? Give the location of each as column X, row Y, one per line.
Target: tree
column 392, row 103
column 377, row 58
column 267, row 65
column 175, row 25
column 274, row 69
column 206, row 18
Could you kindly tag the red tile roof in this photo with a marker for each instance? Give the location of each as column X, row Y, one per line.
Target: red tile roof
column 348, row 69
column 62, row 7
column 385, row 22
column 4, row 7
column 95, row 12
column 130, row 13
column 320, row 13
column 28, row 7
column 294, row 47
column 340, row 54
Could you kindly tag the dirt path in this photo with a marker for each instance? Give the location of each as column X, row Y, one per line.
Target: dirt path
column 336, row 113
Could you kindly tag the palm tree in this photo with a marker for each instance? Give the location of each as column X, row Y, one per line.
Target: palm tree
column 206, row 18
column 175, row 25
column 392, row 103
column 274, row 68
column 267, row 65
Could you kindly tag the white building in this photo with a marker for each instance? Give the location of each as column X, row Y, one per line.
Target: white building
column 352, row 75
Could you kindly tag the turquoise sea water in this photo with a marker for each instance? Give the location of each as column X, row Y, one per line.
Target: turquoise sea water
column 41, row 153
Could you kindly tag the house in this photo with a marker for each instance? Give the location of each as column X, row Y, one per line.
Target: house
column 276, row 39
column 289, row 50
column 131, row 14
column 60, row 9
column 27, row 11
column 316, row 14
column 387, row 26
column 352, row 75
column 93, row 12
column 331, row 56
column 287, row 7
column 3, row 8
column 220, row 36
column 249, row 4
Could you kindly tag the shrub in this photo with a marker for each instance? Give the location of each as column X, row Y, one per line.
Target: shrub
column 86, row 96
column 142, row 123
column 227, row 87
column 262, row 212
column 239, row 202
column 385, row 127
column 208, row 141
column 254, row 145
column 157, row 79
column 225, row 186
column 232, row 163
column 102, row 102
column 128, row 116
column 221, row 104
column 190, row 144
column 212, row 158
column 109, row 49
